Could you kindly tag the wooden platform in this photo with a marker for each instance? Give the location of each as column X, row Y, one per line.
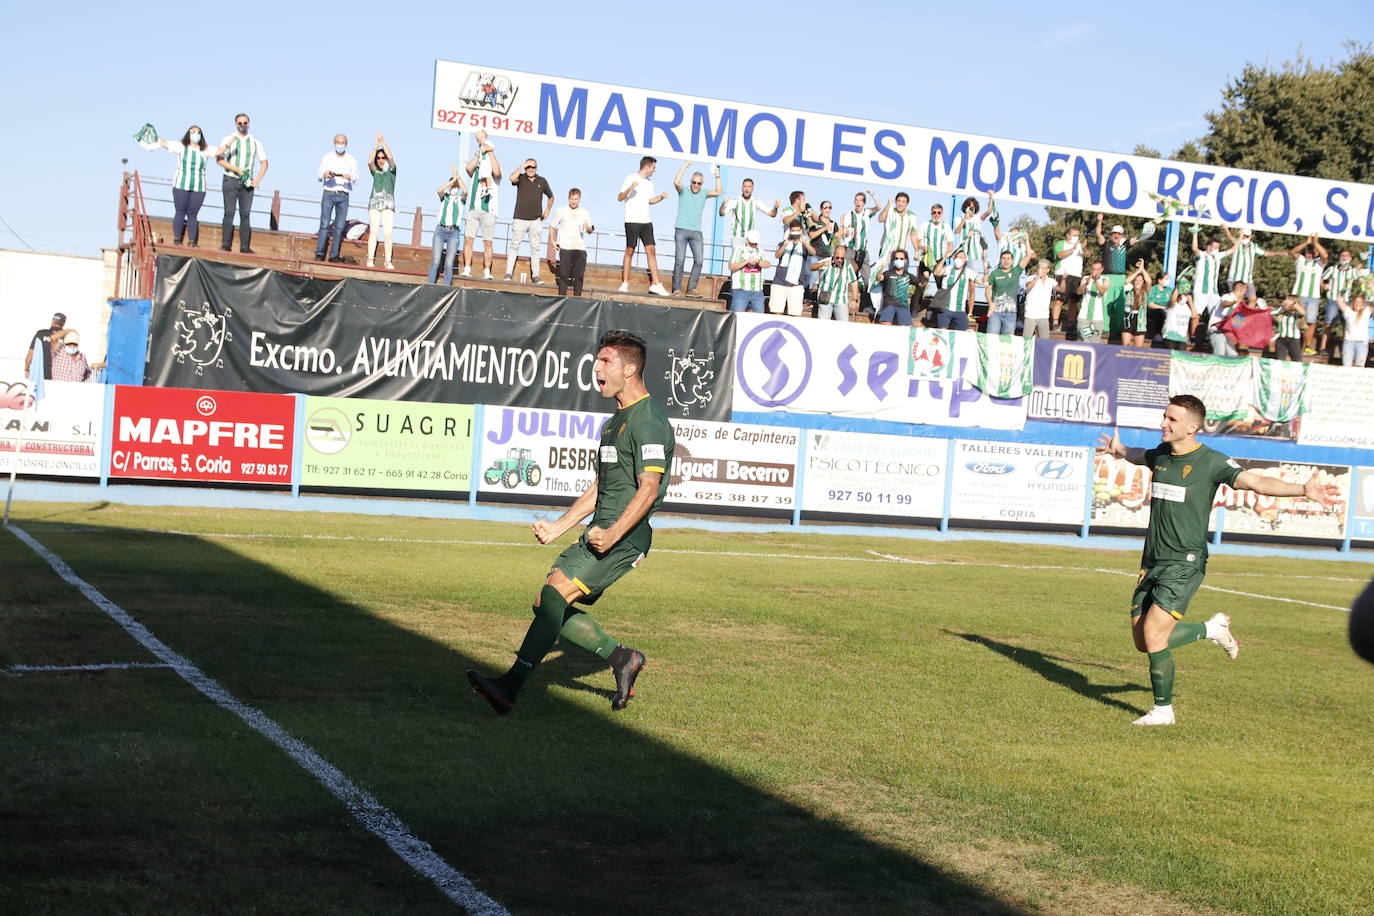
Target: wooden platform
column 294, row 252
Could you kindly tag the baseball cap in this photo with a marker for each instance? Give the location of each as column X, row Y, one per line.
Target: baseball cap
column 1245, row 233
column 1118, row 229
column 59, row 318
column 72, row 338
column 752, row 236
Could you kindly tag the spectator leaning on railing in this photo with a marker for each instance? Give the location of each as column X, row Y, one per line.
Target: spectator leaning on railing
column 381, row 204
column 338, row 173
column 244, row 161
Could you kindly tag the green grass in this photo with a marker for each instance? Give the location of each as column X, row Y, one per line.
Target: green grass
column 811, row 735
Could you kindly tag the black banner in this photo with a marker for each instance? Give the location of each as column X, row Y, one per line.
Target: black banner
column 249, row 329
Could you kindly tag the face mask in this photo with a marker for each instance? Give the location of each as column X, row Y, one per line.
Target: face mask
column 243, row 128
column 195, row 136
column 899, row 263
column 339, row 148
column 958, row 263
column 72, row 348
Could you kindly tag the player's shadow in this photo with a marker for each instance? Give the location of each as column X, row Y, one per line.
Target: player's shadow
column 1049, row 667
column 561, row 807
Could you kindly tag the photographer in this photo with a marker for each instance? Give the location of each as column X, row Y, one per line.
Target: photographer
column 793, row 253
column 746, row 275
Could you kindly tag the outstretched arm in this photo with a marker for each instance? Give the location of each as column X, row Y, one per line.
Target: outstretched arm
column 1112, row 445
column 1324, row 493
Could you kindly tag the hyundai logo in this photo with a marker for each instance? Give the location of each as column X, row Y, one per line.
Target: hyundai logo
column 1051, row 469
column 996, row 468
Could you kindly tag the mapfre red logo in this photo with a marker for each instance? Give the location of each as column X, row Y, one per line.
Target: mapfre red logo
column 205, row 405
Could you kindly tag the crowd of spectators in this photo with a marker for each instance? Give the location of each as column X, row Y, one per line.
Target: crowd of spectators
column 936, row 271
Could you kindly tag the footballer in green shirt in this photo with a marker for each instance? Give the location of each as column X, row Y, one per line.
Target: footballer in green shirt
column 1186, row 475
column 633, row 464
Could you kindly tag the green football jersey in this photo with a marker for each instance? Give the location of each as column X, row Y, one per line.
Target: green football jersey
column 635, row 439
column 1181, row 495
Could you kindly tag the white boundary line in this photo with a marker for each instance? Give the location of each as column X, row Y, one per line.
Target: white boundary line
column 366, row 809
column 107, row 666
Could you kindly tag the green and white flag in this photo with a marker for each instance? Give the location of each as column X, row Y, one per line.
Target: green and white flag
column 1279, row 389
column 147, row 136
column 930, row 354
column 1005, row 365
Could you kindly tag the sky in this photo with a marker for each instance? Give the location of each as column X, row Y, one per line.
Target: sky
column 82, row 79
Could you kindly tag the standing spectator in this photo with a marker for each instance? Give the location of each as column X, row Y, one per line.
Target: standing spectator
column 45, row 337
column 897, row 285
column 637, row 193
column 533, row 201
column 959, row 282
column 1112, row 252
column 746, row 275
column 188, row 185
column 1243, row 254
column 854, row 229
column 1068, row 268
column 1309, row 258
column 743, row 212
column 452, row 196
column 970, row 231
column 1355, row 343
column 485, row 173
column 691, row 201
column 1092, row 317
column 1338, row 280
column 1002, row 285
column 1135, row 318
column 244, row 160
column 1206, row 274
column 1289, row 320
column 381, row 205
column 1221, row 344
column 837, row 286
column 800, row 212
column 69, row 363
column 793, row 254
column 1157, row 308
column 824, row 230
column 569, row 222
column 1016, row 241
column 933, row 245
column 1180, row 321
column 1039, row 291
column 338, row 172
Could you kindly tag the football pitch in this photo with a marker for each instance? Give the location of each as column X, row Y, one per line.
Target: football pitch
column 827, row 724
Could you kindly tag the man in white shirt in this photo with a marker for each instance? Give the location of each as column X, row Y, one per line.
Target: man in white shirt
column 569, row 222
column 338, row 171
column 637, row 193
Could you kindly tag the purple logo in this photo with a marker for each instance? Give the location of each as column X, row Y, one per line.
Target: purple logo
column 777, row 353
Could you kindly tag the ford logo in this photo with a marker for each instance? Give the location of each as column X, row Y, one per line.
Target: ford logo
column 1052, row 469
column 996, row 468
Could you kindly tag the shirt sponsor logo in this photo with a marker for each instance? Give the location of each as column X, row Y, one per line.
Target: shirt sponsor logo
column 608, row 454
column 651, row 450
column 1168, row 491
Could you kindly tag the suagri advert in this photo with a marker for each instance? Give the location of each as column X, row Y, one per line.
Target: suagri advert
column 390, row 445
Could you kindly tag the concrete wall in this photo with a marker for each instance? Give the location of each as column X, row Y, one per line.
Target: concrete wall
column 33, row 285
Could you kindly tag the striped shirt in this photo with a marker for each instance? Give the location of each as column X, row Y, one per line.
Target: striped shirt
column 742, row 212
column 1243, row 262
column 451, row 207
column 1308, row 282
column 1286, row 322
column 242, row 151
column 971, row 240
column 896, row 230
column 1340, row 280
column 835, row 281
column 1018, row 243
column 1208, row 269
column 957, row 282
column 749, row 279
column 935, row 237
column 1094, row 308
column 190, row 174
column 858, row 221
column 482, row 194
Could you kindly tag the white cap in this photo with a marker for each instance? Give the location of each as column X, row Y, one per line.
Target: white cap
column 72, row 338
column 1118, row 229
column 1245, row 233
column 752, row 236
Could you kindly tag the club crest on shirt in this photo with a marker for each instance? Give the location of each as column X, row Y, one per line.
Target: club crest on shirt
column 1187, row 469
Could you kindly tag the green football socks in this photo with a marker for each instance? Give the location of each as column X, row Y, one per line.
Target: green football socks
column 581, row 629
column 1162, row 676
column 542, row 634
column 1185, row 633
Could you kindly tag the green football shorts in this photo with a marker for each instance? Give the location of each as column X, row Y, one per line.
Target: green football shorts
column 1169, row 587
column 594, row 572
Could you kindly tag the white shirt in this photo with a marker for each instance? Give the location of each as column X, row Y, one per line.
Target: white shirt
column 569, row 224
column 637, row 205
column 1071, row 265
column 340, row 164
column 1356, row 324
column 1038, row 298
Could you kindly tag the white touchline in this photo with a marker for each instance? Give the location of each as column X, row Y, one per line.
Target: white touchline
column 366, row 809
column 106, row 666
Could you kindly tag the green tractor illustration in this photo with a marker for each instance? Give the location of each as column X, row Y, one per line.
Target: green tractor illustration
column 515, row 467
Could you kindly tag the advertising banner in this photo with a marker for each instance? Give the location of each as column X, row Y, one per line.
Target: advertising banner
column 1224, row 384
column 862, row 474
column 1244, row 396
column 733, row 465
column 1098, row 384
column 215, row 436
column 1339, row 407
column 539, row 452
column 1008, row 481
column 1362, row 505
column 1121, row 493
column 908, row 375
column 1142, row 385
column 386, row 445
column 62, row 434
column 576, row 112
column 1286, row 516
column 240, row 329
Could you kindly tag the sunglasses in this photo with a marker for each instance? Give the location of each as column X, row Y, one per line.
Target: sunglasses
column 696, row 183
